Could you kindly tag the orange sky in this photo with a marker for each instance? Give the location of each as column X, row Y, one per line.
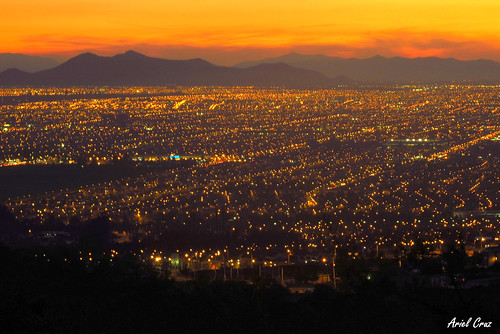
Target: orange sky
column 227, row 32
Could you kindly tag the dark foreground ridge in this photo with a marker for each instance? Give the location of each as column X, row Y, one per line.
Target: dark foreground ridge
column 48, row 290
column 135, row 69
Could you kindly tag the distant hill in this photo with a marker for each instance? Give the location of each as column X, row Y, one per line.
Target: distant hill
column 396, row 69
column 132, row 68
column 25, row 62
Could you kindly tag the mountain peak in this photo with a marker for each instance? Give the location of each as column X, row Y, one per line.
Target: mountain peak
column 84, row 56
column 132, row 53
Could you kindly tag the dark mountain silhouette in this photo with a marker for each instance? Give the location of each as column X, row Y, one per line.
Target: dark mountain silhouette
column 25, row 62
column 396, row 69
column 132, row 68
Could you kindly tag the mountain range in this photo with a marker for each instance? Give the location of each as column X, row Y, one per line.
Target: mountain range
column 292, row 70
column 396, row 69
column 25, row 62
column 132, row 68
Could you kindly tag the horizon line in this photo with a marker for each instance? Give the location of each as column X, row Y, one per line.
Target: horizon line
column 62, row 59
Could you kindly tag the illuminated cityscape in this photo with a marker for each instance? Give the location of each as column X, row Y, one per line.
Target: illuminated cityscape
column 264, row 173
column 271, row 167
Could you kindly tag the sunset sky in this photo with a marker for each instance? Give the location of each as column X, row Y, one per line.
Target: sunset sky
column 227, row 32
